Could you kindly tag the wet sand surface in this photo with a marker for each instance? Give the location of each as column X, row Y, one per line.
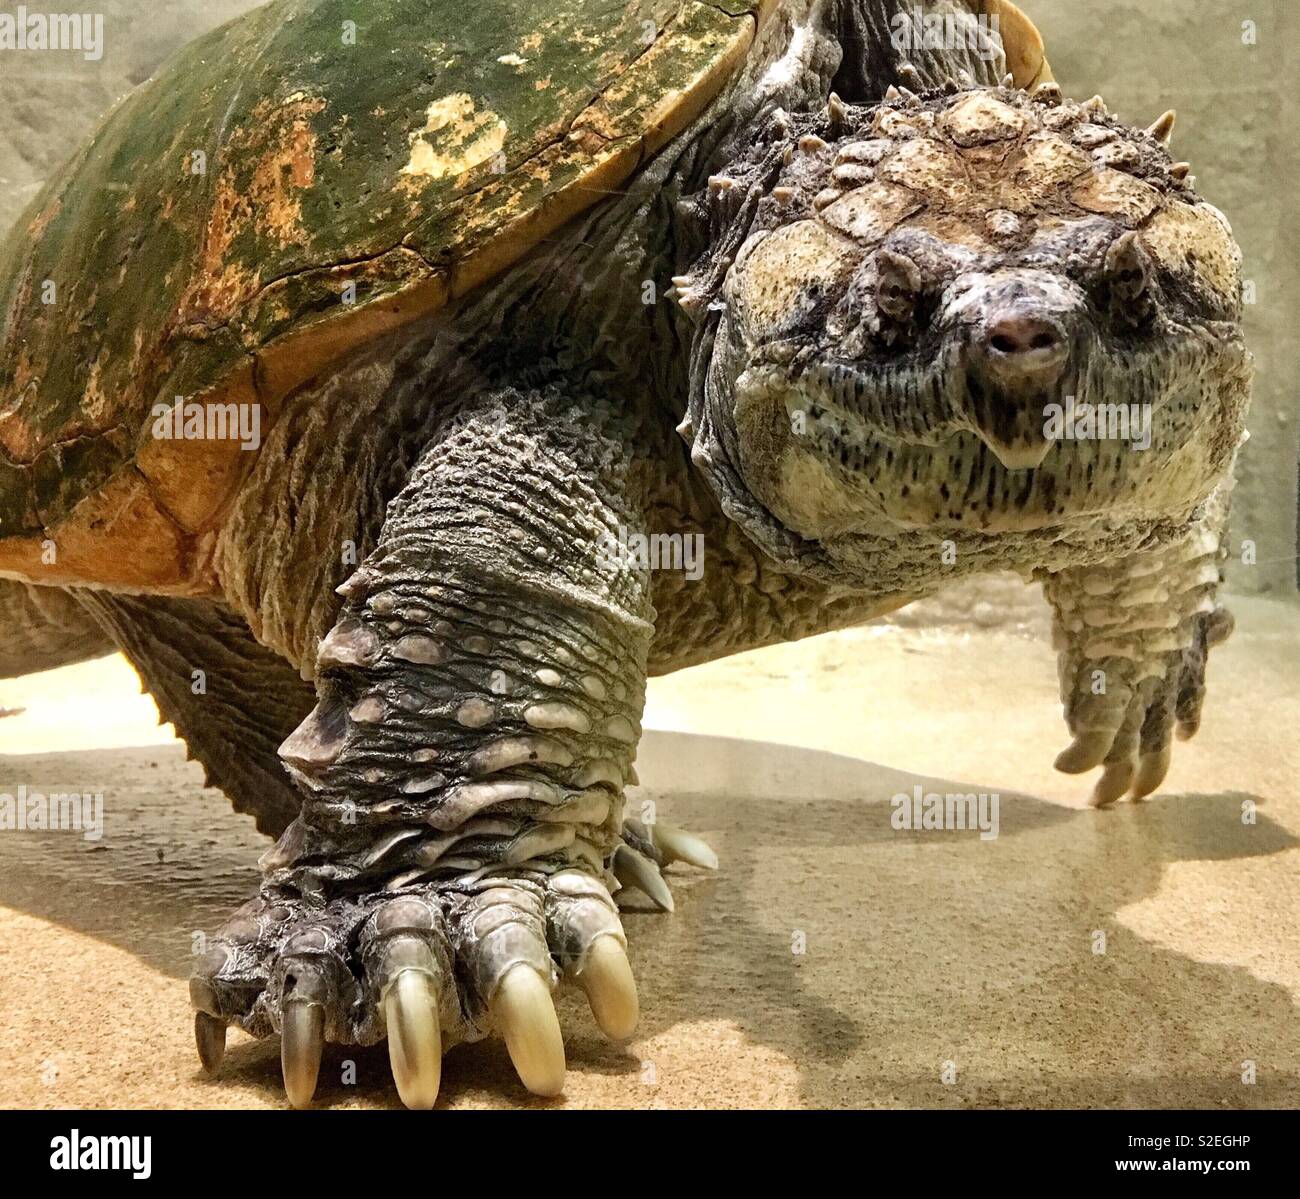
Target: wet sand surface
column 926, row 955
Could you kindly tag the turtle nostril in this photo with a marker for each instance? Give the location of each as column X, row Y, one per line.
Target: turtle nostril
column 1018, row 334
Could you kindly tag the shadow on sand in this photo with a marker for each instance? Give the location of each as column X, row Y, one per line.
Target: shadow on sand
column 921, row 948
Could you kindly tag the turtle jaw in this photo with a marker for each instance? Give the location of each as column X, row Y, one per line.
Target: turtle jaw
column 952, row 440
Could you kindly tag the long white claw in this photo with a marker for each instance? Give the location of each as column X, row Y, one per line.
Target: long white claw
column 634, row 869
column 210, row 1037
column 677, row 845
column 414, row 1038
column 302, row 1040
column 611, row 990
column 523, row 1011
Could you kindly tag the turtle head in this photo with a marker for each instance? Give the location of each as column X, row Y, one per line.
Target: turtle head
column 969, row 310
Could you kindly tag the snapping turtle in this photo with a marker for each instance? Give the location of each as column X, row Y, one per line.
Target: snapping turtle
column 344, row 389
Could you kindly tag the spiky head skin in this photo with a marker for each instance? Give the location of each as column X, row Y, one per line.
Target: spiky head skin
column 897, row 295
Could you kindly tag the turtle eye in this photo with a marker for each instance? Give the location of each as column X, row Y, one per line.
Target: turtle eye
column 898, row 286
column 1128, row 282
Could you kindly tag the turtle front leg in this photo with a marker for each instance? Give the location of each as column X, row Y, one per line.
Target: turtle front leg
column 463, row 771
column 1133, row 637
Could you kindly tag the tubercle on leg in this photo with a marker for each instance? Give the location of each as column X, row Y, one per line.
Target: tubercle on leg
column 481, row 733
column 1132, row 637
column 1139, row 610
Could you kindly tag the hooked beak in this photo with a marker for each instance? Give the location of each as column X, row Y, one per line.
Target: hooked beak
column 1017, row 355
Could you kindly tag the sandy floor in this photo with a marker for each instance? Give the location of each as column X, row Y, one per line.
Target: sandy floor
column 925, row 953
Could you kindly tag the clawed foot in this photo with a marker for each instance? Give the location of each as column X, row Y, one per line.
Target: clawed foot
column 432, row 965
column 1124, row 713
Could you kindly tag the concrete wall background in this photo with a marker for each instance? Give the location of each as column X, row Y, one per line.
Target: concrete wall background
column 1233, row 84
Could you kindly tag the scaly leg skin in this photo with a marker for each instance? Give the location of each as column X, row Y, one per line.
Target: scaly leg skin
column 1133, row 638
column 462, row 773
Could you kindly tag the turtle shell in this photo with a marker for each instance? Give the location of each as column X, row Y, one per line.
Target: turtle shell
column 289, row 187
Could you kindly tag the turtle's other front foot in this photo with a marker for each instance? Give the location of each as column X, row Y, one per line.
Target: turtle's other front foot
column 426, row 967
column 1134, row 637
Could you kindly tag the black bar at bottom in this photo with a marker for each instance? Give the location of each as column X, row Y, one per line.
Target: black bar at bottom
column 571, row 1150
